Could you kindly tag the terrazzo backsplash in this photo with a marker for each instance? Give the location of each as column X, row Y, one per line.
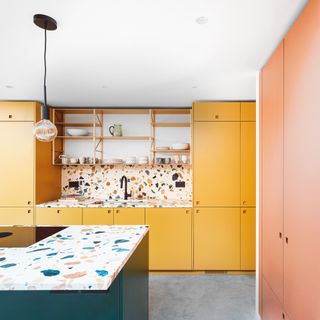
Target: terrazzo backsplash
column 144, row 182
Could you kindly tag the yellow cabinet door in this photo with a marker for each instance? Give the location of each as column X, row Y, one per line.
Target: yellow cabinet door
column 97, row 216
column 216, row 111
column 169, row 238
column 58, row 216
column 129, row 216
column 248, row 111
column 248, row 239
column 17, row 111
column 216, row 161
column 248, row 164
column 17, row 164
column 16, row 216
column 217, row 239
column 17, row 237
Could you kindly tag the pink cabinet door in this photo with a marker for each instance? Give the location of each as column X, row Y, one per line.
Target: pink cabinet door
column 271, row 307
column 272, row 172
column 302, row 166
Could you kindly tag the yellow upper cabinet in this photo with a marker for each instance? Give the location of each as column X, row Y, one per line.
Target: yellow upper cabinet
column 217, row 239
column 58, row 216
column 17, row 111
column 170, row 238
column 248, row 163
column 248, row 239
column 97, row 216
column 248, row 111
column 129, row 216
column 216, row 164
column 17, row 164
column 216, row 111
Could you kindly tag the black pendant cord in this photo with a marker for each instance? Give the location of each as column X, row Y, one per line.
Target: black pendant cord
column 45, row 67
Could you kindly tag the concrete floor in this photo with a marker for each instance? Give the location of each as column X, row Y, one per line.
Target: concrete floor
column 202, row 297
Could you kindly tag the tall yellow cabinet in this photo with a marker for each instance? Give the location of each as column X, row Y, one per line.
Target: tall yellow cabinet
column 224, row 185
column 26, row 178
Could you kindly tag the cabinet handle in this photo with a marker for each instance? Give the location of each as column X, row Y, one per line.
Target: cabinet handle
column 29, row 211
column 109, row 211
column 198, row 211
column 244, row 202
column 244, row 211
column 29, row 202
column 287, row 240
column 280, row 235
column 117, row 211
column 216, row 116
column 58, row 211
column 197, row 202
column 283, row 316
column 187, row 211
column 10, row 116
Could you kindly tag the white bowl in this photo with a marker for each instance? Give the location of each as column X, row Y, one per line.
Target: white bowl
column 77, row 132
column 180, row 146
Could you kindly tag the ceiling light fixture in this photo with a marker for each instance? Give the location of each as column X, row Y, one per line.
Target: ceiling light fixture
column 202, row 20
column 45, row 130
column 9, row 86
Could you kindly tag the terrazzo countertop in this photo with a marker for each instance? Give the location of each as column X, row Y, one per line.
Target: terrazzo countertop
column 76, row 258
column 117, row 203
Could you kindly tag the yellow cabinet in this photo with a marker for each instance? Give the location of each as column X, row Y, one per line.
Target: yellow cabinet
column 17, row 111
column 17, row 164
column 169, row 238
column 216, row 162
column 248, row 163
column 217, row 239
column 248, row 111
column 97, row 216
column 17, row 237
column 16, row 216
column 216, row 111
column 129, row 216
column 58, row 216
column 248, row 239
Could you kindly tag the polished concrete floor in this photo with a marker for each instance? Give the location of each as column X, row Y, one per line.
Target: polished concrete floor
column 202, row 297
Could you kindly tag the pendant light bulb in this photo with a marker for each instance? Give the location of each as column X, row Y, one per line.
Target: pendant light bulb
column 45, row 130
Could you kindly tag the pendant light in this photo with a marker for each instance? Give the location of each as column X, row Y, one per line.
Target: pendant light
column 45, row 130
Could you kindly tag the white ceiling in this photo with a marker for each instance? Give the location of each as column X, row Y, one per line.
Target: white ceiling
column 141, row 52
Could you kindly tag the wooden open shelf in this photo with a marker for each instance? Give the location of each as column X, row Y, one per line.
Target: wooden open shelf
column 95, row 121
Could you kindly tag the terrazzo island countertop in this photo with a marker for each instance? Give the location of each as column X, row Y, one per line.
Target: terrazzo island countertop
column 118, row 203
column 76, row 258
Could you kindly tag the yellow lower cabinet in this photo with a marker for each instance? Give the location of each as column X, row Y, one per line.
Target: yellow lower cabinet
column 23, row 237
column 248, row 239
column 58, row 216
column 129, row 216
column 16, row 216
column 97, row 216
column 217, row 239
column 170, row 238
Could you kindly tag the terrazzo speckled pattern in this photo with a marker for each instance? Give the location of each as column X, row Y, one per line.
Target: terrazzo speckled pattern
column 77, row 258
column 145, row 182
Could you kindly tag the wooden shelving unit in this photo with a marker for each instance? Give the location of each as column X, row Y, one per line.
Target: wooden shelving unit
column 61, row 119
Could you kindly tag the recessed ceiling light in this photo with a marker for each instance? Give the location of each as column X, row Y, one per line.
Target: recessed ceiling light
column 105, row 87
column 9, row 86
column 202, row 20
column 194, row 87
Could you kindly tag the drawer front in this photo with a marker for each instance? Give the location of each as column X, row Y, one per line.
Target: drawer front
column 16, row 216
column 58, row 216
column 17, row 111
column 97, row 216
column 129, row 216
column 248, row 111
column 13, row 237
column 216, row 111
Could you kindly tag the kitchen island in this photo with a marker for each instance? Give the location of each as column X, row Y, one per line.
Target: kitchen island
column 84, row 272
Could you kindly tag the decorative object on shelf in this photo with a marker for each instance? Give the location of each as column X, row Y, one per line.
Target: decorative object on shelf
column 143, row 160
column 74, row 160
column 131, row 160
column 112, row 161
column 116, row 130
column 77, row 132
column 64, row 159
column 163, row 148
column 45, row 130
column 180, row 146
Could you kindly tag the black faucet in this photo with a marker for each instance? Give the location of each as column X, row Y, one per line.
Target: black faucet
column 126, row 194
